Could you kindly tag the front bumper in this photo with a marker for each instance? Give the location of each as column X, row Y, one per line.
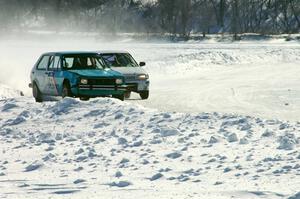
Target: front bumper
column 98, row 90
column 138, row 86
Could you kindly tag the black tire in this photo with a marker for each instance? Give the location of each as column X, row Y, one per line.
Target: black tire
column 127, row 94
column 120, row 97
column 84, row 98
column 38, row 96
column 144, row 95
column 66, row 92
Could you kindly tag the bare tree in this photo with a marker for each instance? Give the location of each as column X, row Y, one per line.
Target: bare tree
column 175, row 17
column 220, row 8
column 235, row 18
column 185, row 11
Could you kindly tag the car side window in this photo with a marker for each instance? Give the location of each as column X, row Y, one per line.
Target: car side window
column 100, row 63
column 59, row 63
column 51, row 61
column 43, row 63
column 54, row 61
column 68, row 62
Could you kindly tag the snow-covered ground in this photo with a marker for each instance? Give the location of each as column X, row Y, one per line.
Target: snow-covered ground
column 114, row 149
column 215, row 126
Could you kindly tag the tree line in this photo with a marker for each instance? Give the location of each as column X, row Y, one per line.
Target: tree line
column 174, row 17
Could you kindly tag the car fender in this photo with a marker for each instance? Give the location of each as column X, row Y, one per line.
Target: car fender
column 32, row 73
column 69, row 77
column 35, row 81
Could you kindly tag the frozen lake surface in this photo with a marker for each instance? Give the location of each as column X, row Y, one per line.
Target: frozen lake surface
column 249, row 78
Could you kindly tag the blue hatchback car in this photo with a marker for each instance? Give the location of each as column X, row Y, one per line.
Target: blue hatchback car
column 75, row 74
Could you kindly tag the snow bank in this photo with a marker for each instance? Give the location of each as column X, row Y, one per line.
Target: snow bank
column 195, row 57
column 296, row 196
column 87, row 149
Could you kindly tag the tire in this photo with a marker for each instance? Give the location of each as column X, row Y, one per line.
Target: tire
column 120, row 97
column 144, row 95
column 66, row 92
column 84, row 98
column 37, row 93
column 127, row 94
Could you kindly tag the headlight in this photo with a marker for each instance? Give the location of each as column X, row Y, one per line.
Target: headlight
column 143, row 77
column 84, row 81
column 119, row 81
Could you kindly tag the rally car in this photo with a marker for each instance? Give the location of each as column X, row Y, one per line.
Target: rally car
column 75, row 74
column 136, row 77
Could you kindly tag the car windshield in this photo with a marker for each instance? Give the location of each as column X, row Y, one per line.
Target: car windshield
column 119, row 60
column 82, row 62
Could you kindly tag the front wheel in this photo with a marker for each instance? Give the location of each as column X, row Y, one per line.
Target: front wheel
column 120, row 97
column 37, row 93
column 66, row 92
column 84, row 98
column 127, row 94
column 144, row 95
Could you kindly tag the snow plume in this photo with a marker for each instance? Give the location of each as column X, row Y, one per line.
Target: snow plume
column 7, row 92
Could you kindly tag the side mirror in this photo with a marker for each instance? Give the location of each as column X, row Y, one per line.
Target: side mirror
column 142, row 64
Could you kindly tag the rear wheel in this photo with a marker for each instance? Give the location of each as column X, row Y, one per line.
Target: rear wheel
column 37, row 93
column 66, row 92
column 144, row 95
column 120, row 97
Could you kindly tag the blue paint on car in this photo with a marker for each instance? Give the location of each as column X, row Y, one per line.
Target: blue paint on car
column 75, row 74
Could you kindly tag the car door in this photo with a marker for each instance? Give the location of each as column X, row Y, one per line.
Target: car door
column 41, row 74
column 54, row 75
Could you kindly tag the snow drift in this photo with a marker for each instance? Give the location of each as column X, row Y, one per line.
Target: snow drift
column 107, row 147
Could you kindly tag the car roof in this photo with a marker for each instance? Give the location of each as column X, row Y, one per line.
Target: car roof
column 111, row 51
column 70, row 53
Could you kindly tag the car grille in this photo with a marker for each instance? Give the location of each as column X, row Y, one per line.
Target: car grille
column 101, row 81
column 130, row 77
column 132, row 87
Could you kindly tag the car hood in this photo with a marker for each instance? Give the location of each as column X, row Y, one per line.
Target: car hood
column 129, row 70
column 97, row 73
